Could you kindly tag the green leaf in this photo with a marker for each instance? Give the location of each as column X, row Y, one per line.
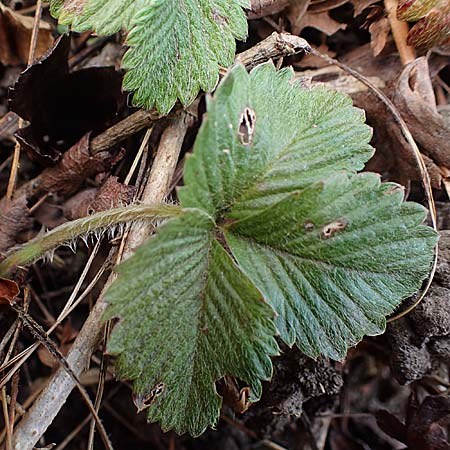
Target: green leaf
column 265, row 136
column 335, row 259
column 188, row 317
column 176, row 46
column 274, row 211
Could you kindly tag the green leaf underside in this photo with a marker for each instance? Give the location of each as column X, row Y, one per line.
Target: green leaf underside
column 274, row 210
column 300, row 136
column 188, row 317
column 176, row 46
column 335, row 259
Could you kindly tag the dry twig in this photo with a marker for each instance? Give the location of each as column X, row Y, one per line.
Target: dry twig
column 400, row 32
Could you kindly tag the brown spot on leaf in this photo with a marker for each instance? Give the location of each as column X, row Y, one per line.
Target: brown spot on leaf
column 144, row 401
column 394, row 189
column 247, row 126
column 218, row 18
column 332, row 228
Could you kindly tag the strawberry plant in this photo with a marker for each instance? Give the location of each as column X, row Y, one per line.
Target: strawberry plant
column 433, row 19
column 175, row 47
column 276, row 237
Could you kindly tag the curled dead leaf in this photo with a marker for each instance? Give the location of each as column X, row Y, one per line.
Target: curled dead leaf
column 414, row 97
column 76, row 165
column 62, row 106
column 379, row 32
column 263, row 8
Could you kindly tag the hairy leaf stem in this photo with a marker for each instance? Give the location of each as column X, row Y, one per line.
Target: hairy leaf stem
column 94, row 223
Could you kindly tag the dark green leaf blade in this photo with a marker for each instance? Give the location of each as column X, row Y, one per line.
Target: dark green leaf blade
column 265, row 136
column 188, row 317
column 335, row 259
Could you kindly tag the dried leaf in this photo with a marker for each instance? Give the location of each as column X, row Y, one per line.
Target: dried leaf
column 112, row 195
column 379, row 32
column 76, row 165
column 9, row 290
column 296, row 13
column 263, row 8
column 15, row 37
column 424, row 428
column 415, row 100
column 14, row 217
column 61, row 106
column 320, row 21
column 318, row 6
column 361, row 5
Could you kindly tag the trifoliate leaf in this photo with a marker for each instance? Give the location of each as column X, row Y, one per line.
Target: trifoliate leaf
column 188, row 317
column 265, row 136
column 275, row 211
column 334, row 259
column 176, row 46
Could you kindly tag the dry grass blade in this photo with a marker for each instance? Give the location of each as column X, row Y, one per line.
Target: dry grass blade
column 37, row 331
column 16, row 155
column 20, row 358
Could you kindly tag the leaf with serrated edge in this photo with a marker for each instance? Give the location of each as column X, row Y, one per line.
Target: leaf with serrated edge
column 413, row 10
column 335, row 259
column 176, row 46
column 273, row 178
column 299, row 136
column 188, row 317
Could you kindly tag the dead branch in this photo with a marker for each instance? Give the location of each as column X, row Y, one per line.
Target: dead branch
column 277, row 45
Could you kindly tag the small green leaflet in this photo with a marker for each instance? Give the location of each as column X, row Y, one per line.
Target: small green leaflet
column 279, row 235
column 176, row 46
